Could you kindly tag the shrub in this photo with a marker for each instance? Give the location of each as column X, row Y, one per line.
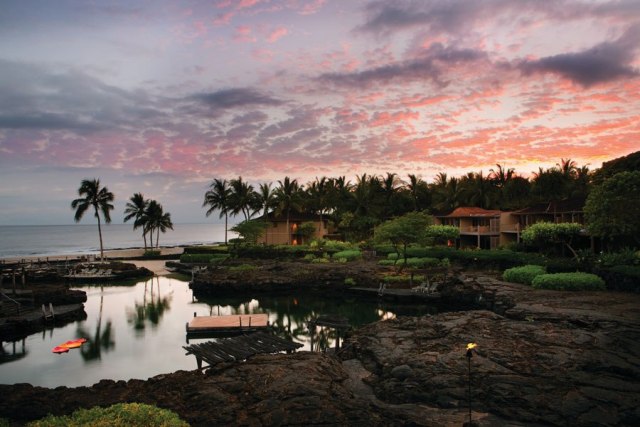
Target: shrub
column 524, row 274
column 195, row 258
column 118, row 415
column 569, row 282
column 387, row 262
column 621, row 277
column 624, row 257
column 561, row 265
column 309, row 257
column 348, row 255
column 392, row 256
column 422, row 262
column 151, row 253
column 320, row 260
column 349, row 281
column 205, row 249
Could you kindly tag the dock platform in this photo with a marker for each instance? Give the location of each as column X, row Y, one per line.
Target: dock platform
column 239, row 348
column 229, row 323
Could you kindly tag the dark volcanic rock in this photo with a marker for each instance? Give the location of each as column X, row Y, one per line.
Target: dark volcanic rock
column 555, row 366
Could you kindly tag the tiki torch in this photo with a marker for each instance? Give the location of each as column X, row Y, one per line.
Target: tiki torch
column 470, row 347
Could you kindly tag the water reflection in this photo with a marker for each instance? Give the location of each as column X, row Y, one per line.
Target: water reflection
column 289, row 316
column 92, row 349
column 152, row 308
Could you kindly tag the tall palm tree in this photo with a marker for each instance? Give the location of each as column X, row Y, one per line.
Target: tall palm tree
column 217, row 198
column 134, row 209
column 288, row 198
column 92, row 195
column 318, row 194
column 267, row 197
column 243, row 198
column 157, row 220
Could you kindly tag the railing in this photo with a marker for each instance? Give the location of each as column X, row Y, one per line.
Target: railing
column 5, row 297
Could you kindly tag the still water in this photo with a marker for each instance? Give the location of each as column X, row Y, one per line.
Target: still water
column 138, row 331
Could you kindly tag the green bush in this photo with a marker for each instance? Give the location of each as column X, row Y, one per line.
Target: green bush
column 118, row 415
column 320, row 260
column 206, row 249
column 151, row 253
column 421, row 262
column 349, row 281
column 392, row 256
column 387, row 262
column 561, row 265
column 309, row 257
column 569, row 282
column 621, row 277
column 348, row 255
column 196, row 258
column 524, row 274
column 624, row 257
column 403, row 278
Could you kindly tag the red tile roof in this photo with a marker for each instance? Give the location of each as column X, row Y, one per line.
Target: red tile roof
column 472, row 212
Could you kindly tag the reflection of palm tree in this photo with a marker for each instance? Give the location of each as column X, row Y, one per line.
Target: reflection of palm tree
column 151, row 311
column 92, row 349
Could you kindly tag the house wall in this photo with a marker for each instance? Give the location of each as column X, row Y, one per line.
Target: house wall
column 276, row 233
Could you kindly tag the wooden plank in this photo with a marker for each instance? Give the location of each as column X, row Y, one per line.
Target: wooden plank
column 204, row 323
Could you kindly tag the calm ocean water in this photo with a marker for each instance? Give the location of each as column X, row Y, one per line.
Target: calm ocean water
column 49, row 240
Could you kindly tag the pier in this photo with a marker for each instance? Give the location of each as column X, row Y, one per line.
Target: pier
column 235, row 323
column 239, row 348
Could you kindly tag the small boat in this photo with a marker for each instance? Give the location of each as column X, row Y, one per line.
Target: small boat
column 63, row 348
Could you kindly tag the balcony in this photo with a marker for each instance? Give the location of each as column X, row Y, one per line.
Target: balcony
column 481, row 229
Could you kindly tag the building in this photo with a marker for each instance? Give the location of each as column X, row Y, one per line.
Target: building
column 488, row 229
column 277, row 233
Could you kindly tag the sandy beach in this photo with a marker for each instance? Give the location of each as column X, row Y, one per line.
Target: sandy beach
column 157, row 266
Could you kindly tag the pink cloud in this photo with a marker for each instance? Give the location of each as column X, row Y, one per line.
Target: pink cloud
column 385, row 118
column 243, row 34
column 277, row 34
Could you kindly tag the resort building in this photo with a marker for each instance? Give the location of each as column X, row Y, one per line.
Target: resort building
column 277, row 233
column 488, row 229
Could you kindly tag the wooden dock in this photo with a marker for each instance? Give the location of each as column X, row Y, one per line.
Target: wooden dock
column 225, row 324
column 239, row 348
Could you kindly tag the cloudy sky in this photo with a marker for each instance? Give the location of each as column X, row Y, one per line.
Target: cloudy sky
column 160, row 97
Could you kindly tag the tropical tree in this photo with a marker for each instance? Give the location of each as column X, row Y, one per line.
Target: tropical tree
column 218, row 198
column 250, row 230
column 100, row 198
column 243, row 198
column 135, row 209
column 612, row 209
column 267, row 197
column 288, row 198
column 402, row 231
column 156, row 220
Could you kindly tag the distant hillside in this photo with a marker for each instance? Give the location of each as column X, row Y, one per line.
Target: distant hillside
column 621, row 164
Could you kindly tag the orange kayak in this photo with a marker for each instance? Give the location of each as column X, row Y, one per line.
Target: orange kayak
column 63, row 348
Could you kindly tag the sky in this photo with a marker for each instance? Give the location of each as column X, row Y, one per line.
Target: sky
column 161, row 96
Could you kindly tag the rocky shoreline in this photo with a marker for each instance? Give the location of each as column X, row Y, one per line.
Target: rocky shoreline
column 543, row 358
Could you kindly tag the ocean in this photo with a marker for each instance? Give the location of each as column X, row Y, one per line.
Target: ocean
column 49, row 240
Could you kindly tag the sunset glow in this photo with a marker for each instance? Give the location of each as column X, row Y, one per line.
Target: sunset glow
column 161, row 97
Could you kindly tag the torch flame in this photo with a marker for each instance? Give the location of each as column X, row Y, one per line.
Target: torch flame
column 471, row 346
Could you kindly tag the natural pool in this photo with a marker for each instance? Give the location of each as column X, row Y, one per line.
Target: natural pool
column 138, row 331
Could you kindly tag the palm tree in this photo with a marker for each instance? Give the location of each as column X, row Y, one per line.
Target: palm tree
column 318, row 193
column 217, row 198
column 134, row 209
column 156, row 220
column 243, row 198
column 267, row 198
column 288, row 197
column 100, row 198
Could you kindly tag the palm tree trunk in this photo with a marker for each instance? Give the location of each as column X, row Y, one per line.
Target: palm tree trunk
column 144, row 236
column 226, row 218
column 158, row 238
column 288, row 231
column 100, row 234
column 151, row 238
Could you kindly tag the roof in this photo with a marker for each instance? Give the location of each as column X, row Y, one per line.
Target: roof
column 472, row 212
column 554, row 207
column 294, row 217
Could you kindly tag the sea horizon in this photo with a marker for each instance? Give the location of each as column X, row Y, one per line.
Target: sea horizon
column 74, row 239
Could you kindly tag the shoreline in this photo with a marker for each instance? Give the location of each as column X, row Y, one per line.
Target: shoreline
column 119, row 254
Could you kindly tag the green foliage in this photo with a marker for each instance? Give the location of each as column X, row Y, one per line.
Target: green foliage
column 441, row 234
column 402, row 278
column 306, row 229
column 250, row 230
column 348, row 255
column 118, row 415
column 403, row 231
column 624, row 257
column 309, row 257
column 569, row 282
column 204, row 249
column 524, row 274
column 349, row 281
column 388, row 262
column 561, row 265
column 545, row 234
column 320, row 261
column 195, row 258
column 392, row 256
column 422, row 262
column 151, row 254
column 612, row 209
